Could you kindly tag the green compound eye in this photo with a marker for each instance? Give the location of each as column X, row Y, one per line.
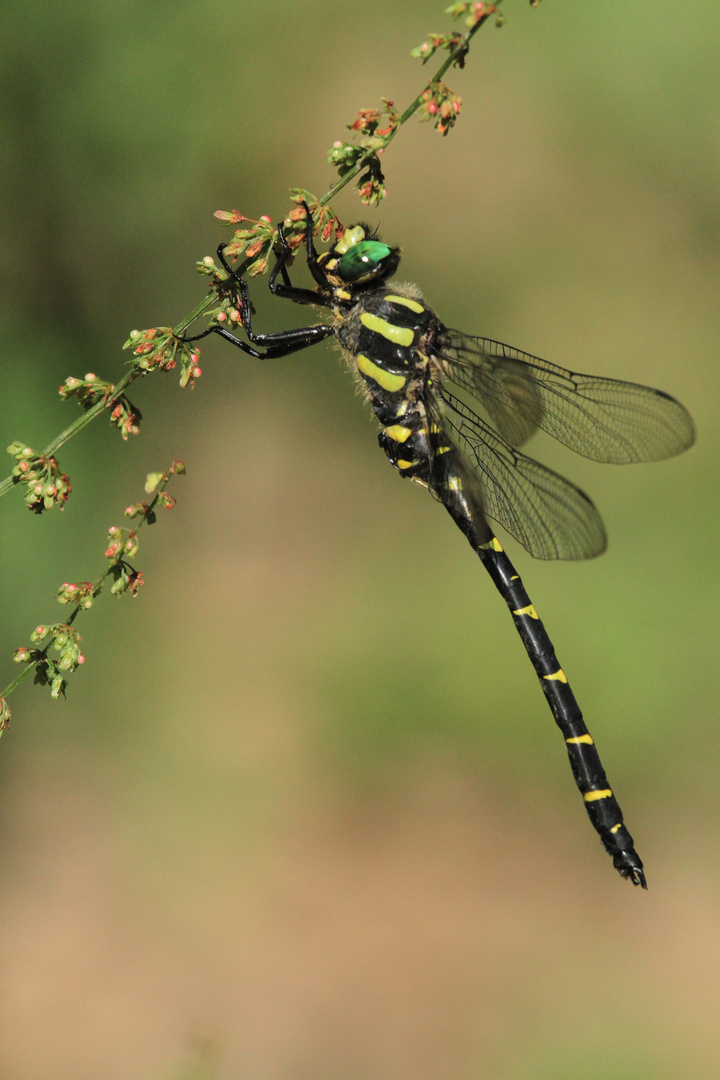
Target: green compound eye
column 363, row 261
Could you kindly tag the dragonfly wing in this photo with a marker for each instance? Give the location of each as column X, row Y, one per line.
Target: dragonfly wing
column 548, row 515
column 604, row 419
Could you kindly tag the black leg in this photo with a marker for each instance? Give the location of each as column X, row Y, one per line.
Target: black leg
column 312, row 333
column 312, row 260
column 287, row 291
column 275, row 345
column 284, row 342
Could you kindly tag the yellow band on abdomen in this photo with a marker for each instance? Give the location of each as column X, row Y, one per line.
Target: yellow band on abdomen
column 593, row 796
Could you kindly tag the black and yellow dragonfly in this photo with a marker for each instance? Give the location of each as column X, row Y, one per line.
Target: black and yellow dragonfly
column 407, row 359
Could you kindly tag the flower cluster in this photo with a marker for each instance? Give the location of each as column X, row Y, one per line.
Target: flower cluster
column 47, row 486
column 229, row 304
column 91, row 391
column 159, row 348
column 376, row 126
column 123, row 544
column 369, row 120
column 371, row 185
column 434, row 42
column 66, row 641
column 474, row 12
column 125, row 579
column 254, row 243
column 324, row 221
column 81, row 594
column 440, row 105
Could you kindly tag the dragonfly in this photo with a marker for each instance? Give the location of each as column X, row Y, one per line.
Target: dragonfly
column 424, row 382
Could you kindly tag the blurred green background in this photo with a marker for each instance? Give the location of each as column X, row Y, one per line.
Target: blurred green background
column 305, row 812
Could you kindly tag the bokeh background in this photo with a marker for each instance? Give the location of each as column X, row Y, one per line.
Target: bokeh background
column 305, row 813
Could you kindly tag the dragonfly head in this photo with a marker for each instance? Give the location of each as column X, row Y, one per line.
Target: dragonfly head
column 359, row 257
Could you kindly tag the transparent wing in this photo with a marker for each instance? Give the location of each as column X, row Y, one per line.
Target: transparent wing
column 549, row 516
column 603, row 419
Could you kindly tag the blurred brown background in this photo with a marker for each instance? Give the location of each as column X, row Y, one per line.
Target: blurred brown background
column 305, row 813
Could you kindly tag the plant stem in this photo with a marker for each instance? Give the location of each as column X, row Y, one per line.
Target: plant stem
column 16, row 681
column 95, row 591
column 412, row 108
column 77, row 425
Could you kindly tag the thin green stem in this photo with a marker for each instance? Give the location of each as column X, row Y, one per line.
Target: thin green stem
column 459, row 51
column 95, row 591
column 188, row 320
column 77, row 425
column 82, row 421
column 87, row 417
column 23, row 675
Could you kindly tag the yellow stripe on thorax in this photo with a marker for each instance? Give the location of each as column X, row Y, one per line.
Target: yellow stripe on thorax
column 399, row 335
column 407, row 302
column 385, row 379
